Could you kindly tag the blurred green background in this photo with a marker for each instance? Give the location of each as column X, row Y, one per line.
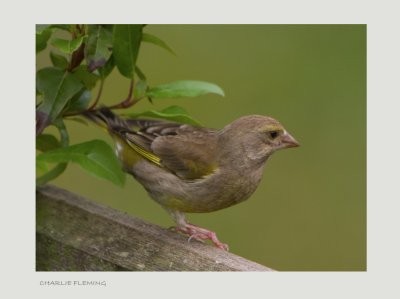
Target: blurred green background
column 309, row 212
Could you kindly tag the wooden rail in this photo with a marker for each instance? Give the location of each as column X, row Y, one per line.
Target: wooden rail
column 77, row 234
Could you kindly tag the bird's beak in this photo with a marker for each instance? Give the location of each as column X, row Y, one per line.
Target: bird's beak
column 289, row 141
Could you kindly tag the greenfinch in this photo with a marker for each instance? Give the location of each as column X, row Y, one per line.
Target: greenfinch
column 190, row 169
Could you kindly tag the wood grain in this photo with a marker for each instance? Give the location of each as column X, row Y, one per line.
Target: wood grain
column 77, row 234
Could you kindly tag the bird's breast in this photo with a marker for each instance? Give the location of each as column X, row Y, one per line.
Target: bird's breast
column 223, row 189
column 219, row 190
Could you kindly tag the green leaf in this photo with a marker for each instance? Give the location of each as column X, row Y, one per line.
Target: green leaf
column 64, row 137
column 87, row 78
column 172, row 113
column 59, row 168
column 80, row 101
column 94, row 156
column 67, row 46
column 184, row 88
column 140, row 74
column 126, row 43
column 41, row 39
column 140, row 89
column 149, row 38
column 41, row 168
column 46, row 142
column 66, row 27
column 105, row 70
column 58, row 87
column 50, row 175
column 59, row 60
column 41, row 27
column 98, row 44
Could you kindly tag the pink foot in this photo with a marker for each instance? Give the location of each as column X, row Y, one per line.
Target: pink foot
column 200, row 234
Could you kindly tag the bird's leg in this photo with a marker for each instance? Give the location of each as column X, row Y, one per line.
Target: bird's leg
column 195, row 232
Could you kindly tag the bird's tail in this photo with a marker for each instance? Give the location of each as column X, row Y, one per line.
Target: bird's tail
column 106, row 119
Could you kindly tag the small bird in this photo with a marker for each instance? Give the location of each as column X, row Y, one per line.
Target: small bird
column 190, row 169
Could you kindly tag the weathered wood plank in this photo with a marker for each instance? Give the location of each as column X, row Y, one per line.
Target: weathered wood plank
column 77, row 234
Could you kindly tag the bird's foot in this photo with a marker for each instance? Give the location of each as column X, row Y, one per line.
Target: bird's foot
column 200, row 234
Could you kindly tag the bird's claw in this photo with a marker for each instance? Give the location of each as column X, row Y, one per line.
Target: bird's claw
column 200, row 234
column 196, row 237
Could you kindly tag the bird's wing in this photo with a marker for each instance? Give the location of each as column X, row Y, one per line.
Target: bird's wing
column 187, row 151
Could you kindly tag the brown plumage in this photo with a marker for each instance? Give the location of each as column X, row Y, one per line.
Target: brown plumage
column 193, row 169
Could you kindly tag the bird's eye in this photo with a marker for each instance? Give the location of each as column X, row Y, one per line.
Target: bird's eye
column 273, row 134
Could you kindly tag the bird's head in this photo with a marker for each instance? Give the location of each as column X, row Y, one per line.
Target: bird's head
column 259, row 136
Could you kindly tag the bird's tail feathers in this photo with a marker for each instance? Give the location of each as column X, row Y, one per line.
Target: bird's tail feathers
column 106, row 119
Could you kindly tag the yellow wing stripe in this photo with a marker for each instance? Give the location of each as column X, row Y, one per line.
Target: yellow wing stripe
column 149, row 156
